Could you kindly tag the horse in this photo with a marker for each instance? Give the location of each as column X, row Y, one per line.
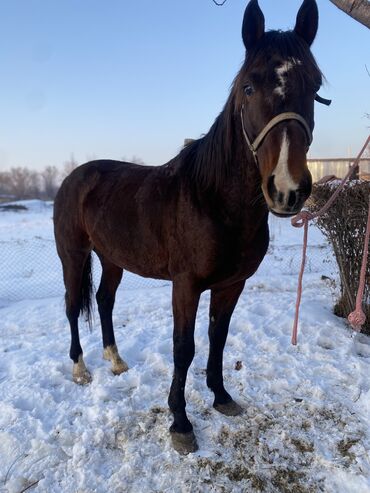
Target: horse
column 201, row 219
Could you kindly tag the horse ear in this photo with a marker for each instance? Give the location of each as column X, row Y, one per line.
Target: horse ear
column 307, row 21
column 253, row 24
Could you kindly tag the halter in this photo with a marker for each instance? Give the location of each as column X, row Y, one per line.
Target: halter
column 254, row 146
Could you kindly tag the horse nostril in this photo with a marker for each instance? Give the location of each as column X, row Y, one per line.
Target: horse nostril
column 292, row 199
column 305, row 188
column 271, row 187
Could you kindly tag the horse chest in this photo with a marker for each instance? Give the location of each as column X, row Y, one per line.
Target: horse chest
column 240, row 255
column 251, row 258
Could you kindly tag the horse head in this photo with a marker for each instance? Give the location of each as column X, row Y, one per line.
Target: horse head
column 274, row 98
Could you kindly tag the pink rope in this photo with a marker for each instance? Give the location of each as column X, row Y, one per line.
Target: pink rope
column 357, row 318
column 302, row 220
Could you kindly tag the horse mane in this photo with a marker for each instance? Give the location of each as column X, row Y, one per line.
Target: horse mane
column 207, row 161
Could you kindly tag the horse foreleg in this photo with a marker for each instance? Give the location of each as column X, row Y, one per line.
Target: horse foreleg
column 222, row 306
column 185, row 299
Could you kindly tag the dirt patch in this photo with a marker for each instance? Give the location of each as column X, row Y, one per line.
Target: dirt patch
column 303, row 446
column 235, row 473
column 259, row 464
column 281, row 448
column 285, row 449
column 344, row 448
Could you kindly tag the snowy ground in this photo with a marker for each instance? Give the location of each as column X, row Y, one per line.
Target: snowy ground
column 306, row 421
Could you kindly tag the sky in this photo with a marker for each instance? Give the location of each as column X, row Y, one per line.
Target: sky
column 122, row 78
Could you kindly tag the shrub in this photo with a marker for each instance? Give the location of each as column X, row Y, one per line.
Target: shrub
column 344, row 225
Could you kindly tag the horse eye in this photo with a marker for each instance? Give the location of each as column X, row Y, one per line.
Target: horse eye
column 248, row 89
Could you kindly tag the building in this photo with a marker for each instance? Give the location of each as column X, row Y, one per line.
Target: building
column 338, row 167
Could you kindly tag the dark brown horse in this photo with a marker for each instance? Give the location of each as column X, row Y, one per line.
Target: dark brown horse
column 201, row 219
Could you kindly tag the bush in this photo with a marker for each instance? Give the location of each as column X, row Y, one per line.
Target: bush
column 344, row 225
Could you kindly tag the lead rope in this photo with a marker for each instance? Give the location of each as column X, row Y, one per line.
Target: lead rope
column 356, row 318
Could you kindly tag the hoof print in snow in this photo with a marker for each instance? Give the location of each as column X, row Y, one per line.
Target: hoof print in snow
column 362, row 350
column 229, row 409
column 184, row 443
column 325, row 343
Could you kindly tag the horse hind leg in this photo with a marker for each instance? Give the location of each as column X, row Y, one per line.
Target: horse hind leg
column 111, row 354
column 105, row 297
column 78, row 284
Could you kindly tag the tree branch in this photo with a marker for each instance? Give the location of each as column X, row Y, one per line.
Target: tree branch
column 357, row 9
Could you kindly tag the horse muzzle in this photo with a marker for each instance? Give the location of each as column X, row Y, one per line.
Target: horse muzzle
column 288, row 200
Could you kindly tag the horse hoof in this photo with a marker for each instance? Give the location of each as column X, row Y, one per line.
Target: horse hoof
column 80, row 373
column 229, row 409
column 83, row 378
column 184, row 443
column 119, row 368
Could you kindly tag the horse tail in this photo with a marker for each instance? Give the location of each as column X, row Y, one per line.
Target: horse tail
column 87, row 288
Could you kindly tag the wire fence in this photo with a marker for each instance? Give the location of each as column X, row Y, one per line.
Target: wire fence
column 30, row 267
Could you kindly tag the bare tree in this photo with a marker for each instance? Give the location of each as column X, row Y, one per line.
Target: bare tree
column 69, row 166
column 137, row 160
column 134, row 159
column 357, row 9
column 24, row 183
column 34, row 190
column 5, row 184
column 49, row 177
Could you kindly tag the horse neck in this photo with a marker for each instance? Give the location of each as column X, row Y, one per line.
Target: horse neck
column 238, row 175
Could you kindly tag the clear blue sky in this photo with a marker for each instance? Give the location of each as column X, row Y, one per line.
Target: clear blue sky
column 135, row 77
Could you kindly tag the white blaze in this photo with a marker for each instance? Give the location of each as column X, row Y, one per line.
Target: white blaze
column 282, row 179
column 282, row 71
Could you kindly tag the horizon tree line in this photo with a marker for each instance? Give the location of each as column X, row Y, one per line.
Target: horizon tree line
column 22, row 183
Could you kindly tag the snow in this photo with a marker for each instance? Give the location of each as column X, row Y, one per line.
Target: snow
column 307, row 408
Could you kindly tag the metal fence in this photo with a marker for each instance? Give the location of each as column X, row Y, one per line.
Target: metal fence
column 31, row 269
